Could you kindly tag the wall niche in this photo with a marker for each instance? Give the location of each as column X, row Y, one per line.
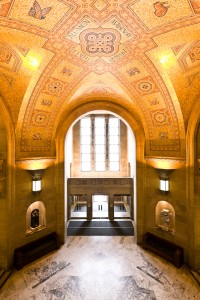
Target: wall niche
column 35, row 217
column 165, row 217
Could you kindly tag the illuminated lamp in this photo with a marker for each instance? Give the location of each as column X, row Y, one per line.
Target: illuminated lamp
column 164, row 59
column 32, row 62
column 164, row 185
column 36, row 180
column 164, row 179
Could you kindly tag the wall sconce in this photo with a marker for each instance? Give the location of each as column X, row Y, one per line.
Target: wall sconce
column 36, row 185
column 164, row 179
column 164, row 185
column 36, row 180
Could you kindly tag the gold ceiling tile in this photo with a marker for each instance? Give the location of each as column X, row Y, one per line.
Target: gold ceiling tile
column 42, row 13
column 100, row 5
column 145, row 86
column 46, row 102
column 154, row 14
column 40, row 118
column 4, row 7
column 196, row 6
column 100, row 50
column 190, row 58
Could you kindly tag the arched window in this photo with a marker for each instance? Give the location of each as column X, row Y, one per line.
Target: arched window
column 100, row 143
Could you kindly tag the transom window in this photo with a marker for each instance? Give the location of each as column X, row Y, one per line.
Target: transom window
column 100, row 144
column 85, row 144
column 113, row 146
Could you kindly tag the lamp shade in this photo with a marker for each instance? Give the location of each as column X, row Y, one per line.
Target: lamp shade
column 36, row 185
column 164, row 179
column 164, row 185
column 36, row 179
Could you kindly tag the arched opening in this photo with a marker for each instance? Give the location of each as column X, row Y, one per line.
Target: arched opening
column 35, row 217
column 165, row 217
column 100, row 153
column 61, row 175
column 193, row 186
column 7, row 185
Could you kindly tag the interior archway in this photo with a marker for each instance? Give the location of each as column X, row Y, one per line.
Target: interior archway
column 140, row 164
column 7, row 186
column 193, row 195
column 127, row 162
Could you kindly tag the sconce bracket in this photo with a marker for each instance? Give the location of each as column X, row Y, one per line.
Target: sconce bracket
column 164, row 173
column 36, row 174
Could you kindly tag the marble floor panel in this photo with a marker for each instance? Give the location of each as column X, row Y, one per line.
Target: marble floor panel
column 100, row 268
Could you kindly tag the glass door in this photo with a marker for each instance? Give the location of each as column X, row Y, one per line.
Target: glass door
column 122, row 206
column 100, row 207
column 78, row 206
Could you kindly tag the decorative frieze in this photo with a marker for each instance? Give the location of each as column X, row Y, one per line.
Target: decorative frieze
column 100, row 181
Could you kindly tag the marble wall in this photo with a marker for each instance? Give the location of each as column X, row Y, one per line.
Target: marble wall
column 25, row 197
column 176, row 197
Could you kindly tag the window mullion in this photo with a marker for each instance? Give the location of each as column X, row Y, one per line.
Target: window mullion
column 107, row 145
column 92, row 145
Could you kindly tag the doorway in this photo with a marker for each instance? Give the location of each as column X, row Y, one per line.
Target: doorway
column 77, row 207
column 123, row 207
column 91, row 182
column 100, row 207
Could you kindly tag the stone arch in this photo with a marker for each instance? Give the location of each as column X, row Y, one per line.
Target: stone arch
column 165, row 216
column 140, row 163
column 193, row 196
column 35, row 217
column 7, row 197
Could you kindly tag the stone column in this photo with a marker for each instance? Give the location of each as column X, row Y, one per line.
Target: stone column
column 111, row 207
column 89, row 207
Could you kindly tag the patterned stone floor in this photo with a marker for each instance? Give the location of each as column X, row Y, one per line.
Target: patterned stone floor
column 100, row 268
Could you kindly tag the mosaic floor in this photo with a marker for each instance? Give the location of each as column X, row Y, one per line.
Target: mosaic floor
column 100, row 268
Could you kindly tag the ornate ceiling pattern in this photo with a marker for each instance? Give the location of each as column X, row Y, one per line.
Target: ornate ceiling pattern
column 143, row 55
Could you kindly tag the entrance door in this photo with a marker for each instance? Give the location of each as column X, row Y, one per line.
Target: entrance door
column 78, row 207
column 122, row 206
column 100, row 207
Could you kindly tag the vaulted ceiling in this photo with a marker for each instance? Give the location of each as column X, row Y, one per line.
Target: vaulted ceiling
column 143, row 55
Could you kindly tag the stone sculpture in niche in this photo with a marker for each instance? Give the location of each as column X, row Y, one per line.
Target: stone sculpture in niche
column 35, row 218
column 165, row 216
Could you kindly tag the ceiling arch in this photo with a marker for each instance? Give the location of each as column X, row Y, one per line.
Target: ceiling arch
column 58, row 54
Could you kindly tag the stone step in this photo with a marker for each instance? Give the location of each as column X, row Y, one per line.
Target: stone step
column 4, row 276
column 196, row 275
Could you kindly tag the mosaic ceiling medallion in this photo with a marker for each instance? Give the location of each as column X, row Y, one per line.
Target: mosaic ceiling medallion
column 108, row 42
column 100, row 42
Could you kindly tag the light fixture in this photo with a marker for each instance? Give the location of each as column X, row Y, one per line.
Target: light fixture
column 164, row 179
column 164, row 185
column 36, row 185
column 164, row 59
column 167, row 59
column 36, row 180
column 32, row 61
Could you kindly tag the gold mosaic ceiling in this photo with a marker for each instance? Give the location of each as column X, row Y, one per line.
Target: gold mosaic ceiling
column 56, row 55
